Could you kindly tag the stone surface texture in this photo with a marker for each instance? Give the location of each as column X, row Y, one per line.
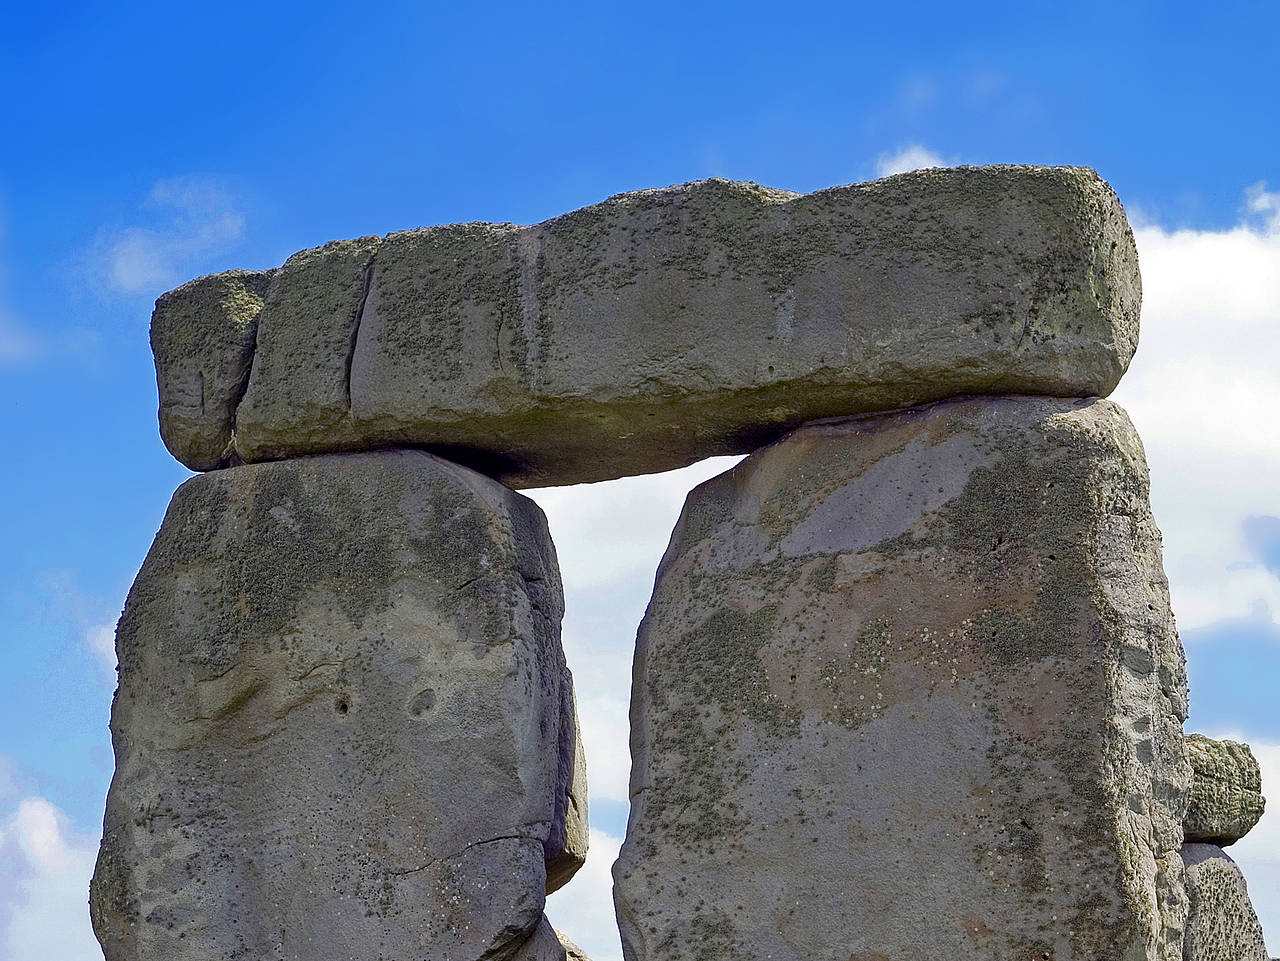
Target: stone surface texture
column 202, row 338
column 344, row 727
column 1226, row 791
column 664, row 326
column 1221, row 925
column 908, row 689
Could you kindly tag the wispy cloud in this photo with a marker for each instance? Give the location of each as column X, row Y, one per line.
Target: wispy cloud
column 1264, row 204
column 17, row 343
column 90, row 617
column 100, row 641
column 189, row 218
column 918, row 93
column 911, row 157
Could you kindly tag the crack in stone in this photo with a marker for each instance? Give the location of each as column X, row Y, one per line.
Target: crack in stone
column 366, row 285
column 463, row 850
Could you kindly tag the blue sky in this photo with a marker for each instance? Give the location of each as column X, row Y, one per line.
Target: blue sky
column 145, row 144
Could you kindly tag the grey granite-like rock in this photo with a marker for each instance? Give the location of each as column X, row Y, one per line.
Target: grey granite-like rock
column 909, row 688
column 344, row 727
column 202, row 338
column 664, row 326
column 1221, row 924
column 1226, row 791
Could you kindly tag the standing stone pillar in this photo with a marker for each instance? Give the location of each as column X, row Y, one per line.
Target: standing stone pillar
column 344, row 727
column 909, row 689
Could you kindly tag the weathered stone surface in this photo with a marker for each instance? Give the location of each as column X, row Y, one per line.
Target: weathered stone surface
column 344, row 727
column 1226, row 791
column 909, row 688
column 202, row 336
column 1221, row 925
column 664, row 326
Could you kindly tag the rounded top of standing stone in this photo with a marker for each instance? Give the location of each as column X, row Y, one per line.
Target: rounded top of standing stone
column 1226, row 791
column 658, row 327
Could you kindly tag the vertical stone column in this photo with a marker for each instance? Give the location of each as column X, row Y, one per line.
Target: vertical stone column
column 909, row 689
column 344, row 727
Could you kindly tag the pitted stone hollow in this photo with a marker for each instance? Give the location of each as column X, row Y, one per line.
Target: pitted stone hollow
column 658, row 327
column 1226, row 791
column 345, row 727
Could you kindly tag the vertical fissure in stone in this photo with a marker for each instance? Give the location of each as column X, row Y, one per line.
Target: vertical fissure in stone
column 366, row 281
column 230, row 457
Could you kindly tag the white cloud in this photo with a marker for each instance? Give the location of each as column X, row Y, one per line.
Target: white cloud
column 610, row 537
column 192, row 218
column 618, row 529
column 100, row 639
column 917, row 94
column 1203, row 391
column 89, row 616
column 911, row 157
column 44, row 886
column 605, row 734
column 583, row 908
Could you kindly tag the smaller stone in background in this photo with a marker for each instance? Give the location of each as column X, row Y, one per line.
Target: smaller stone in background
column 571, row 950
column 1222, row 925
column 1226, row 791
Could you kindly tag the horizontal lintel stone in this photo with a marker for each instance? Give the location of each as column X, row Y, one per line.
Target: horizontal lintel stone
column 664, row 326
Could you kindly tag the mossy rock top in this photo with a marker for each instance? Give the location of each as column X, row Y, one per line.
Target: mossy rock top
column 1226, row 791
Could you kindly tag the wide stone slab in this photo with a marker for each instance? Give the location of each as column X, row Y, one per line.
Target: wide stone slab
column 1221, row 925
column 909, row 688
column 1226, row 791
column 344, row 727
column 664, row 326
